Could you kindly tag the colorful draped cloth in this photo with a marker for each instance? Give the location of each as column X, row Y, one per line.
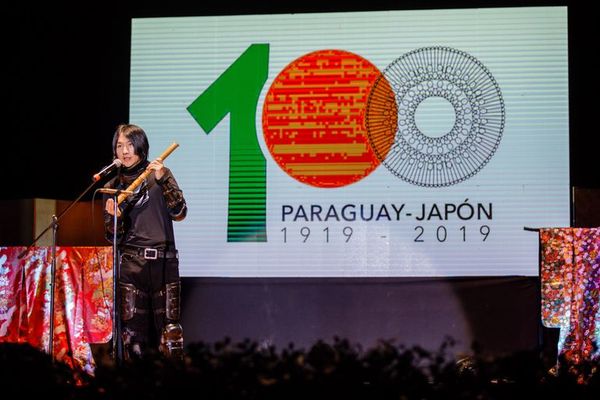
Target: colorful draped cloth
column 82, row 300
column 570, row 277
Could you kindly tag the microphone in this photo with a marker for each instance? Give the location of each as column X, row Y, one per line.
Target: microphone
column 107, row 170
column 115, row 191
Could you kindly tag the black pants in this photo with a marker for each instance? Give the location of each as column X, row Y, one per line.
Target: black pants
column 143, row 301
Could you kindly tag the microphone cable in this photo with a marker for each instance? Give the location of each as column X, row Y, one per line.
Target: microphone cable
column 101, row 265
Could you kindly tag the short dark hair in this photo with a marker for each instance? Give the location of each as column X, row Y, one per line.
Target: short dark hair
column 138, row 138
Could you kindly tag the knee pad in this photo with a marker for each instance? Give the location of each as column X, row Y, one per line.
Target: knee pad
column 172, row 340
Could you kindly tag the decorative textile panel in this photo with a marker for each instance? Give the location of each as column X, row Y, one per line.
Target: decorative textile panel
column 82, row 300
column 570, row 277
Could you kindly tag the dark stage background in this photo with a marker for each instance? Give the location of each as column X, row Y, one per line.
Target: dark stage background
column 67, row 87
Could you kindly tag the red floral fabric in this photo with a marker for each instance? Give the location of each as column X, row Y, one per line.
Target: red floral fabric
column 570, row 276
column 82, row 300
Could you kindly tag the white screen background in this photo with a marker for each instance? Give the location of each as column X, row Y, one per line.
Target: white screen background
column 173, row 60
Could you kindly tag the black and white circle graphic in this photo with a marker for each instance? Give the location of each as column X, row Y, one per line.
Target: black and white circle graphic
column 449, row 114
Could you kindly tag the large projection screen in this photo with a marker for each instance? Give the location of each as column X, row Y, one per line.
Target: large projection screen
column 362, row 144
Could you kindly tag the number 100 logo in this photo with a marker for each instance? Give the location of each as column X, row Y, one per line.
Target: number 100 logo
column 331, row 117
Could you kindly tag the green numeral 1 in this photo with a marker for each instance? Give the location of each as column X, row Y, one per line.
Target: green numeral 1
column 236, row 92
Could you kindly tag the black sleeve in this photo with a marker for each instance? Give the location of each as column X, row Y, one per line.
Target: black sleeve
column 108, row 219
column 173, row 196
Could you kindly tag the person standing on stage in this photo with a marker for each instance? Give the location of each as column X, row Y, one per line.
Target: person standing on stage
column 149, row 285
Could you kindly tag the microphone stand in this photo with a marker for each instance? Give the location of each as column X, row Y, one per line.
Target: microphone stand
column 117, row 351
column 54, row 225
